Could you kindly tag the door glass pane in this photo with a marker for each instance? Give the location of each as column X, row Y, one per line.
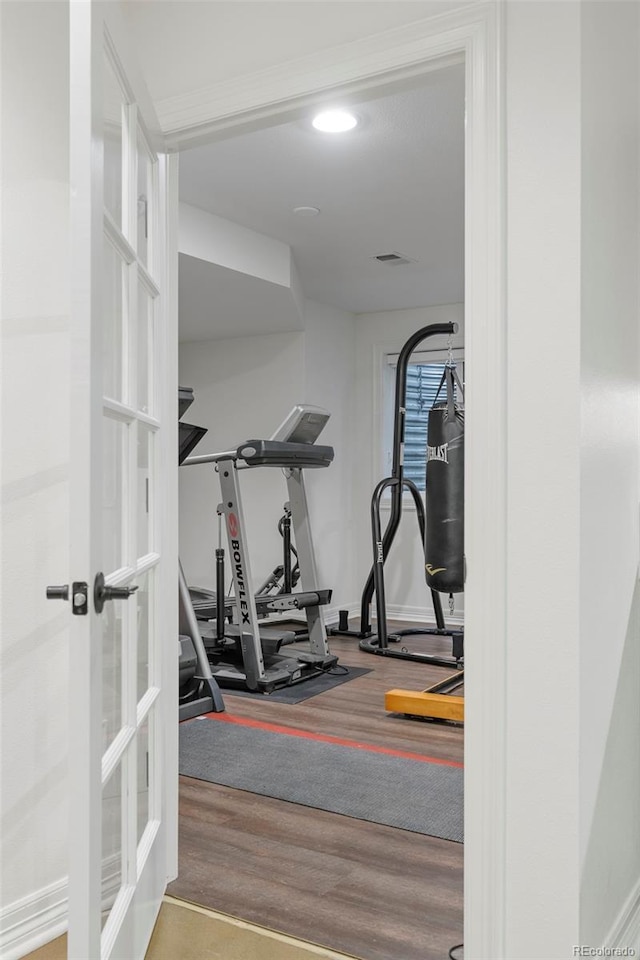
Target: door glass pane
column 112, row 620
column 145, row 488
column 145, row 198
column 145, row 600
column 112, row 841
column 144, row 776
column 145, row 325
column 112, row 125
column 114, row 441
column 113, row 314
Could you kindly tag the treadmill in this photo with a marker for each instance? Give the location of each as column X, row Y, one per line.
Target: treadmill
column 245, row 654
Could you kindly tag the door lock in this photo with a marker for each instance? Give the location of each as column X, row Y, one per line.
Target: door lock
column 102, row 593
column 79, row 596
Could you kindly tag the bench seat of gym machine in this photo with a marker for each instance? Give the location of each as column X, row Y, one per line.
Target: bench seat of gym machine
column 205, row 602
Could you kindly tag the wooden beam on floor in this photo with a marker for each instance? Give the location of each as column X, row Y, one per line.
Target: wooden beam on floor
column 417, row 703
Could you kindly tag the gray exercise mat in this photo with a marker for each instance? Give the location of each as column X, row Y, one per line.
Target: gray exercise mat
column 298, row 692
column 415, row 795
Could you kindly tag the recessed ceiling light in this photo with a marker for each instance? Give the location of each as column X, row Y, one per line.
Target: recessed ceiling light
column 334, row 121
column 307, row 211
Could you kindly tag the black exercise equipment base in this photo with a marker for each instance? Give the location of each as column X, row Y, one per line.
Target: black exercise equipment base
column 279, row 672
column 198, row 697
column 372, row 646
column 359, row 634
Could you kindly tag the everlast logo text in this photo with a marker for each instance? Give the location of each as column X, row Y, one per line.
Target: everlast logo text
column 438, row 453
column 242, row 593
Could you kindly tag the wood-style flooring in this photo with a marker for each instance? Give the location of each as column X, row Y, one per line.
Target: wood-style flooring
column 361, row 888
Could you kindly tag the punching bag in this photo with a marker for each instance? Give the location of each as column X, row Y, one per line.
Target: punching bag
column 444, row 532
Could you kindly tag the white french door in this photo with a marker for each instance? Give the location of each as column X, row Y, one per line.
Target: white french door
column 123, row 653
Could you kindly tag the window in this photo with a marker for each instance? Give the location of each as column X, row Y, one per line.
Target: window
column 423, row 379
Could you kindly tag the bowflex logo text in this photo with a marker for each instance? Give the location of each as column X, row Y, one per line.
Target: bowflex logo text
column 242, row 593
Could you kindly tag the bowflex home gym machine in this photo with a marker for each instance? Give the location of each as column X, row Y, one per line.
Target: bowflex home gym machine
column 243, row 653
column 397, row 483
column 281, row 581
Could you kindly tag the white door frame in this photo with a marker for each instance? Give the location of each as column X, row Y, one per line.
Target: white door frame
column 372, row 67
column 168, row 362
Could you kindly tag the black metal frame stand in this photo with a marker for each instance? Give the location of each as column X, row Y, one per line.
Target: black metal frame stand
column 396, row 482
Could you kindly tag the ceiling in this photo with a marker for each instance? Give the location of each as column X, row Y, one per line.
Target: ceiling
column 394, row 184
column 214, row 41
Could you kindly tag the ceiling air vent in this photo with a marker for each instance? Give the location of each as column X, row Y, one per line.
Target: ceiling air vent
column 392, row 259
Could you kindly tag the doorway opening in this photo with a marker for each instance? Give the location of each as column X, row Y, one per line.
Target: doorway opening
column 306, row 260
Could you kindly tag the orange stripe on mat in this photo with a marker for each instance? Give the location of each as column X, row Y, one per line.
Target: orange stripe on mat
column 323, row 738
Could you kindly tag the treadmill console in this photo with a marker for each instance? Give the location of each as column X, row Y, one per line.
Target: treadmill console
column 303, row 425
column 279, row 453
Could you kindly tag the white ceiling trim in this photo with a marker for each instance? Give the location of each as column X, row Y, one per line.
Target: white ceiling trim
column 372, row 62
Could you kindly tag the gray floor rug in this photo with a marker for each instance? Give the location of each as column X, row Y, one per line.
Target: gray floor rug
column 298, row 692
column 422, row 796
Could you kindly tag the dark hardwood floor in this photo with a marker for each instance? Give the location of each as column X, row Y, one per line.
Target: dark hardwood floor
column 369, row 890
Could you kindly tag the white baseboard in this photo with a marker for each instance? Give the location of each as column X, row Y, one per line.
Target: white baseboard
column 395, row 611
column 40, row 917
column 625, row 931
column 34, row 920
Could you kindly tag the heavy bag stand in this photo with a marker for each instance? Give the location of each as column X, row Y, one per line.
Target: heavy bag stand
column 379, row 644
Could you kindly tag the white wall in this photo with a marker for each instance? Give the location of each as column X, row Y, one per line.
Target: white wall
column 244, row 387
column 573, row 668
column 234, row 282
column 543, row 532
column 610, row 436
column 330, row 357
column 377, row 334
column 219, row 241
column 35, row 454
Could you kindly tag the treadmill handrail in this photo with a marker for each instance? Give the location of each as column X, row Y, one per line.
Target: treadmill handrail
column 210, row 458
